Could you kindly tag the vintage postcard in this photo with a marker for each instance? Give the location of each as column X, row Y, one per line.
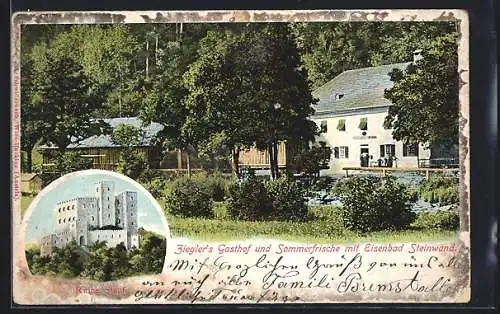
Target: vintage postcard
column 253, row 157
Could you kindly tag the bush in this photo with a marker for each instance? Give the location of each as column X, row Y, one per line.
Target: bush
column 372, row 203
column 440, row 220
column 249, row 200
column 64, row 163
column 441, row 190
column 287, row 197
column 155, row 182
column 132, row 163
column 216, row 185
column 70, row 162
column 312, row 159
column 188, row 197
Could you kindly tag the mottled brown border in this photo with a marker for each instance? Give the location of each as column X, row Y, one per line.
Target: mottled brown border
column 221, row 16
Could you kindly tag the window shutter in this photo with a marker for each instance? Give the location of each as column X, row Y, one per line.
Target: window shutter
column 336, row 152
column 363, row 124
column 347, row 152
column 341, row 125
column 382, row 151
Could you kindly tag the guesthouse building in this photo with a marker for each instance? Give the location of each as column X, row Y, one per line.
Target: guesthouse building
column 350, row 114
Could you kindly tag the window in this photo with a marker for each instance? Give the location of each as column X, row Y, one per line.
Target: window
column 410, row 150
column 59, row 209
column 97, row 189
column 132, row 223
column 324, row 126
column 341, row 125
column 341, row 152
column 93, row 218
column 59, row 220
column 337, row 96
column 109, row 215
column 108, row 190
column 363, row 124
column 108, row 198
column 387, row 150
column 72, row 206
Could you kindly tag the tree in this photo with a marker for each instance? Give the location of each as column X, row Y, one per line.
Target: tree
column 285, row 96
column 126, row 135
column 163, row 91
column 31, row 126
column 221, row 104
column 109, row 55
column 64, row 99
column 247, row 88
column 132, row 163
column 425, row 96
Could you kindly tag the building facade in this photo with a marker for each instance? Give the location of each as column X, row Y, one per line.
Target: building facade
column 104, row 152
column 350, row 114
column 103, row 217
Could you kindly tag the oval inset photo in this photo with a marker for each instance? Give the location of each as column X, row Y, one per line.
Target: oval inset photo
column 95, row 224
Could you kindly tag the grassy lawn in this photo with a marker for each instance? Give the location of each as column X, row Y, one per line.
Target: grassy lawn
column 25, row 203
column 327, row 227
column 214, row 230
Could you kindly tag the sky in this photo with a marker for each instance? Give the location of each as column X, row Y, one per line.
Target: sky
column 40, row 216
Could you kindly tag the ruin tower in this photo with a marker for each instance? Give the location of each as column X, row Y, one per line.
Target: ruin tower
column 105, row 192
column 130, row 218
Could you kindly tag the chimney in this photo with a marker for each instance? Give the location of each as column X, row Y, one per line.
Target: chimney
column 417, row 55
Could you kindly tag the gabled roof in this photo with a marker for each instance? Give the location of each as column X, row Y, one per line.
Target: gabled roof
column 361, row 88
column 104, row 141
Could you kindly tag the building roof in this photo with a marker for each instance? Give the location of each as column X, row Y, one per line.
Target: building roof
column 361, row 88
column 105, row 141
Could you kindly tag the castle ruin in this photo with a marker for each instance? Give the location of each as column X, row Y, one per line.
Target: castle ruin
column 103, row 217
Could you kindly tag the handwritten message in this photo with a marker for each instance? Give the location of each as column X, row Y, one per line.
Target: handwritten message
column 279, row 272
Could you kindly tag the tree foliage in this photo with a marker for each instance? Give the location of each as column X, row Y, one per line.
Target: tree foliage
column 99, row 262
column 63, row 98
column 248, row 88
column 425, row 96
column 221, row 88
column 126, row 135
column 328, row 49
